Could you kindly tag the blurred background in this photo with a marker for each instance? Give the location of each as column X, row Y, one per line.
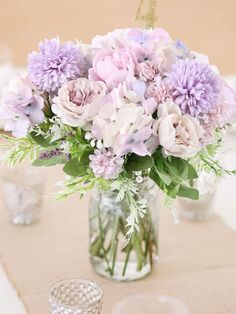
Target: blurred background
column 208, row 26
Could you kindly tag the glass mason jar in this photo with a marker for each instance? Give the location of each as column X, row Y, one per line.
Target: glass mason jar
column 111, row 255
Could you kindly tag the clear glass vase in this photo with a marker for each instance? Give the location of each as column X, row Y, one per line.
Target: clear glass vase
column 110, row 254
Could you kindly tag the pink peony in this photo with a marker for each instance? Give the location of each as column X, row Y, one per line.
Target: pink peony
column 113, row 67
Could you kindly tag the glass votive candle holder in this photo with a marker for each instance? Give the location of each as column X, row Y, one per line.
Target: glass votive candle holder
column 202, row 209
column 23, row 194
column 76, row 296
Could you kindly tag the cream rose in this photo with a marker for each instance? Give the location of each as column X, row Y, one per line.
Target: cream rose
column 72, row 100
column 178, row 134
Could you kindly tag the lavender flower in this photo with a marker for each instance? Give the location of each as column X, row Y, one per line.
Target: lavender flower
column 54, row 64
column 195, row 87
column 53, row 153
column 105, row 165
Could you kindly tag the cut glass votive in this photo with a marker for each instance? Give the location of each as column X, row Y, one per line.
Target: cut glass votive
column 202, row 209
column 76, row 296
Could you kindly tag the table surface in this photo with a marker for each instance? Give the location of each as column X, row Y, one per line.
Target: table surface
column 197, row 260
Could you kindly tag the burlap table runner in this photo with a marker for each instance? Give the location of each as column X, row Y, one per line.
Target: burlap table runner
column 197, row 260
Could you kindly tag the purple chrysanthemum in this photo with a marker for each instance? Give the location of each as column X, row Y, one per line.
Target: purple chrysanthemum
column 54, row 64
column 195, row 87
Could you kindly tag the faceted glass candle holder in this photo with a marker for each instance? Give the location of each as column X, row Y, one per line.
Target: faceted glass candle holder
column 76, row 296
column 23, row 195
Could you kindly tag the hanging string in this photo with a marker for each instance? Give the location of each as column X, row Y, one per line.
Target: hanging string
column 150, row 17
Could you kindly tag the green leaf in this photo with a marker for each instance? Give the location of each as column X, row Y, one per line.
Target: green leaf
column 50, row 161
column 155, row 177
column 138, row 163
column 75, row 168
column 173, row 190
column 80, row 136
column 171, row 174
column 181, row 167
column 185, row 191
column 39, row 139
column 192, row 173
column 164, row 176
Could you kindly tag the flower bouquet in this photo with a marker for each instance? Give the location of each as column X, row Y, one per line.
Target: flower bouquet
column 131, row 111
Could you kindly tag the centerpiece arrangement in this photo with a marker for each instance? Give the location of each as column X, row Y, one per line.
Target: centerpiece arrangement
column 131, row 111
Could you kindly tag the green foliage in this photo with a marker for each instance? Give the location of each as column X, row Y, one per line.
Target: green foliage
column 186, row 191
column 78, row 145
column 138, row 163
column 80, row 150
column 39, row 139
column 180, row 168
column 19, row 149
column 48, row 162
column 47, row 106
column 210, row 164
column 77, row 166
column 206, row 159
column 77, row 185
column 173, row 175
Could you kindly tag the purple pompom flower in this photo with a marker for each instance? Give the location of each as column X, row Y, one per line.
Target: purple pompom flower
column 54, row 64
column 195, row 87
